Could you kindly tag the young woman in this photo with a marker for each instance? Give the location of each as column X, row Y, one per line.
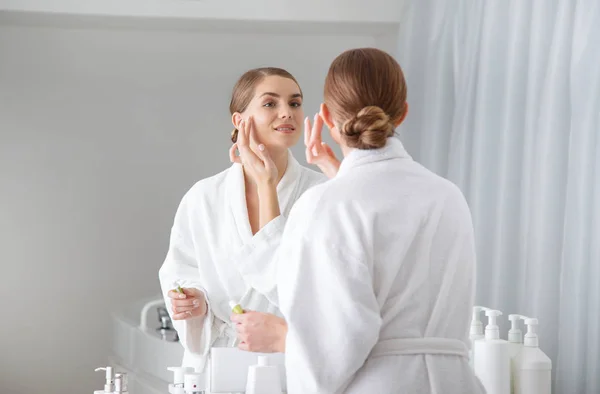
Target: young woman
column 220, row 214
column 376, row 267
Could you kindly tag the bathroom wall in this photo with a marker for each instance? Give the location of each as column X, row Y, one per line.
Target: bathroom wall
column 103, row 127
column 376, row 11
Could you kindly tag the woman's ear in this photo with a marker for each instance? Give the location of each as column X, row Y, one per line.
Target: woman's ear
column 328, row 120
column 235, row 119
column 326, row 116
column 399, row 121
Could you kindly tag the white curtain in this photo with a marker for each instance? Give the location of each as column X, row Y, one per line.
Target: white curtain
column 504, row 100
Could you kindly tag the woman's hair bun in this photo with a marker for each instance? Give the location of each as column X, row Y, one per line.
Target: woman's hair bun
column 369, row 129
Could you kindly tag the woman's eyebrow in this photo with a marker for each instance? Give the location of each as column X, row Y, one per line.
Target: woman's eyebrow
column 295, row 95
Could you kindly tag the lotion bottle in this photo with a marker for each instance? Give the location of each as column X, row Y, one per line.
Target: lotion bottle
column 263, row 378
column 533, row 368
column 492, row 358
column 476, row 331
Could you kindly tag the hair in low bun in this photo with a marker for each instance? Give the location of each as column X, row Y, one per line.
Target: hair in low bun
column 369, row 129
column 234, row 135
column 365, row 92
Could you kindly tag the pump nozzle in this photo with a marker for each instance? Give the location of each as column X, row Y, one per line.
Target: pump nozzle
column 121, row 382
column 531, row 337
column 178, row 374
column 109, row 385
column 515, row 335
column 476, row 324
column 491, row 330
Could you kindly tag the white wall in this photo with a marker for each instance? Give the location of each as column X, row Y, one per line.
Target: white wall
column 264, row 10
column 101, row 133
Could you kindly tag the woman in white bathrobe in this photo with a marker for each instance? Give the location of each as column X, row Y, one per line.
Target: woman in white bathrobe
column 221, row 213
column 376, row 267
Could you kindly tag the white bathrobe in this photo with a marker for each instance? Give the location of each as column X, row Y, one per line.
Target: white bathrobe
column 205, row 252
column 376, row 279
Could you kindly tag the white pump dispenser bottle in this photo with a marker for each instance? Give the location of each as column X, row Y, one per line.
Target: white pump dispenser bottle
column 476, row 331
column 492, row 361
column 109, row 384
column 194, row 383
column 515, row 344
column 121, row 383
column 178, row 379
column 515, row 335
column 533, row 368
column 263, row 378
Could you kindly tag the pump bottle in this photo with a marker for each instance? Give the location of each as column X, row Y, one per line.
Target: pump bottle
column 515, row 344
column 109, row 384
column 263, row 378
column 121, row 383
column 178, row 379
column 533, row 368
column 194, row 383
column 492, row 360
column 515, row 335
column 476, row 331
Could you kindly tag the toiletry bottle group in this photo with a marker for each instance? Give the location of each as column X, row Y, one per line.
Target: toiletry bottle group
column 115, row 383
column 510, row 366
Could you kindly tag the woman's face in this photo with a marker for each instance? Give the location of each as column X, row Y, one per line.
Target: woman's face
column 276, row 110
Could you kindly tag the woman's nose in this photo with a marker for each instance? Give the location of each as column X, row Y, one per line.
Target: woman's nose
column 286, row 114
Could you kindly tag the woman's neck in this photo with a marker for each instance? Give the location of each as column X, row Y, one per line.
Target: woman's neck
column 346, row 150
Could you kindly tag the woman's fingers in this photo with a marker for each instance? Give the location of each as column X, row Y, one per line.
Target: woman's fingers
column 328, row 149
column 232, row 156
column 175, row 295
column 247, row 156
column 239, row 318
column 264, row 155
column 252, row 138
column 315, row 134
column 189, row 304
column 306, row 131
column 309, row 156
column 261, row 150
column 312, row 138
column 180, row 309
column 183, row 315
column 193, row 308
column 242, row 139
column 195, row 302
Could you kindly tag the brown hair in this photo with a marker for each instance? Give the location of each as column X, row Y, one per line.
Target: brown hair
column 243, row 91
column 365, row 91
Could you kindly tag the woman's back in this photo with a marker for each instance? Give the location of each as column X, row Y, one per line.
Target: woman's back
column 419, row 231
column 395, row 243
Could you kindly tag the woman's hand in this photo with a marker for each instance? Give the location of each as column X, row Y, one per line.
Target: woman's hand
column 260, row 332
column 187, row 305
column 254, row 156
column 317, row 151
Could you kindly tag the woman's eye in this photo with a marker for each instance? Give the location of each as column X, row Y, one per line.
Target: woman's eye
column 296, row 104
column 269, row 104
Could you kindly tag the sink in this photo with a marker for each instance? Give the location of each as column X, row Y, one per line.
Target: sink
column 138, row 348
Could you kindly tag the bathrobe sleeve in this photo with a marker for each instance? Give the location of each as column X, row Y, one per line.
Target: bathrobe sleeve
column 326, row 296
column 180, row 267
column 256, row 259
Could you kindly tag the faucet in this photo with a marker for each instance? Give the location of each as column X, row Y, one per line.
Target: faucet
column 162, row 313
column 146, row 309
column 166, row 330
